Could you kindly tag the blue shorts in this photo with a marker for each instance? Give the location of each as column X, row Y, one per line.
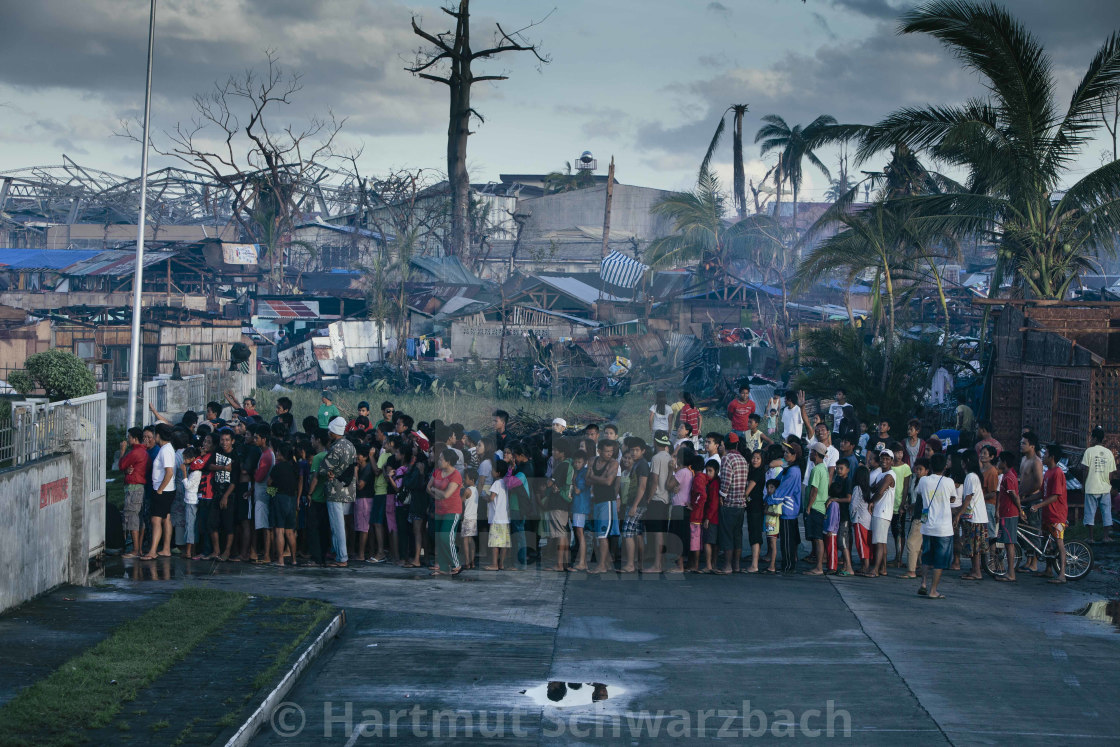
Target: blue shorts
column 605, row 520
column 377, row 510
column 937, row 552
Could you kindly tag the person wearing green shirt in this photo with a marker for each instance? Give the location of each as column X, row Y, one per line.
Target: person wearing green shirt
column 327, row 410
column 318, row 523
column 815, row 500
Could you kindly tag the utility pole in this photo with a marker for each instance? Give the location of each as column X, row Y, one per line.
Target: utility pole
column 134, row 362
column 607, row 212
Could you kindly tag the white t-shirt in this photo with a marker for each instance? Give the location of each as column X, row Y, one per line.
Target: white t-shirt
column 939, row 495
column 1101, row 464
column 497, row 510
column 836, row 410
column 792, row 422
column 976, row 511
column 661, row 422
column 884, row 507
column 470, row 503
column 190, row 487
column 165, row 460
column 860, row 515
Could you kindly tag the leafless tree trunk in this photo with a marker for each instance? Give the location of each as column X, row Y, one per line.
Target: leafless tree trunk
column 262, row 164
column 740, row 179
column 451, row 54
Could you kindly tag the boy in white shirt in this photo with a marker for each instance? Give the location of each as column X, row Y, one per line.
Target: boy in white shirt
column 191, row 480
column 882, row 509
column 939, row 498
column 469, row 527
column 497, row 515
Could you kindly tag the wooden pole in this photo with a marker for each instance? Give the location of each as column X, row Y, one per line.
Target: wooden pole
column 607, row 211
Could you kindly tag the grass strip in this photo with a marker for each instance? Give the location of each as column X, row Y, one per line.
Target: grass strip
column 301, row 618
column 89, row 690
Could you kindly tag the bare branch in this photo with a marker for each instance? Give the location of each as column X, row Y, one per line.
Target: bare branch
column 436, row 78
column 430, row 38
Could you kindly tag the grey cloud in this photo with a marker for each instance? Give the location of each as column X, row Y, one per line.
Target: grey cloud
column 350, row 50
column 719, row 9
column 864, row 80
column 871, row 8
column 598, row 121
column 822, row 22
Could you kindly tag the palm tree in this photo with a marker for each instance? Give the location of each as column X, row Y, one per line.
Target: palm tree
column 887, row 241
column 794, row 144
column 739, row 185
column 566, row 181
column 699, row 231
column 1016, row 145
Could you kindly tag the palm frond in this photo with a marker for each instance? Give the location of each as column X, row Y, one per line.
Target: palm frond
column 704, row 164
column 989, row 40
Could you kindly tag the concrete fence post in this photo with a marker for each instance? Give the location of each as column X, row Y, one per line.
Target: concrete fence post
column 79, row 490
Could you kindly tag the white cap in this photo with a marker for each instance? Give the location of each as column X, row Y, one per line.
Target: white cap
column 337, row 426
column 560, row 422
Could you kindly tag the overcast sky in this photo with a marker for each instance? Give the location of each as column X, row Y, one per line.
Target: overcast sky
column 644, row 80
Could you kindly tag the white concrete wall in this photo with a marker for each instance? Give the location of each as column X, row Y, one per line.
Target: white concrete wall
column 35, row 539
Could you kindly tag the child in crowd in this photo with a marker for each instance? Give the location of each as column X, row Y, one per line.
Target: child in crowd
column 192, row 478
column 697, row 500
column 284, row 478
column 581, row 508
column 497, row 516
column 832, row 524
column 558, row 499
column 711, row 514
column 773, row 520
column 468, row 530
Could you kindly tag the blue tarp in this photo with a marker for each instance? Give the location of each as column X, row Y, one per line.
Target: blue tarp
column 44, row 259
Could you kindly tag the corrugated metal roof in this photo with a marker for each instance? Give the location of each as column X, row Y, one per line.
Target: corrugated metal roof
column 115, row 263
column 43, row 259
column 446, row 270
column 276, row 309
column 577, row 289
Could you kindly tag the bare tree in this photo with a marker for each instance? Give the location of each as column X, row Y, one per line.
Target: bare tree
column 234, row 139
column 448, row 60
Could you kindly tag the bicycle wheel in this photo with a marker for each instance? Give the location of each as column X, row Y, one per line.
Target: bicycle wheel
column 996, row 560
column 1079, row 559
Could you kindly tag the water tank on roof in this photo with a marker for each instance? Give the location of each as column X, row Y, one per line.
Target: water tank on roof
column 586, row 162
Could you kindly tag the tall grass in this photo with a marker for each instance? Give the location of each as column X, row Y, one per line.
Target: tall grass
column 630, row 413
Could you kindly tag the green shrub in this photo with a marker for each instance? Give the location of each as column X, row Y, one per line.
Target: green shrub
column 61, row 374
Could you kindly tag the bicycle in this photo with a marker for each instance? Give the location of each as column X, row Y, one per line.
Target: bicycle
column 1079, row 557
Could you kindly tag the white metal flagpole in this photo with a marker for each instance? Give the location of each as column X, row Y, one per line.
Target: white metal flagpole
column 134, row 362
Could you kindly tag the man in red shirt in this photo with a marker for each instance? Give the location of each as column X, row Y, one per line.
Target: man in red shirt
column 1054, row 509
column 740, row 409
column 134, row 464
column 1009, row 510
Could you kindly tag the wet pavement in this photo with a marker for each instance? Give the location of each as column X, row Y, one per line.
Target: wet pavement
column 438, row 660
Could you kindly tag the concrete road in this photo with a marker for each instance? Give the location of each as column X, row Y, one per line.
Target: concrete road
column 692, row 658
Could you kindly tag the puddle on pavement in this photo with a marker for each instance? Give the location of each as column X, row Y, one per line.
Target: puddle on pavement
column 1102, row 611
column 569, row 694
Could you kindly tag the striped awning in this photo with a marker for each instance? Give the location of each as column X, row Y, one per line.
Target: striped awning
column 619, row 270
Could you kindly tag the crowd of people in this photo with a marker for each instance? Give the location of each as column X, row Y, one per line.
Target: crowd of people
column 388, row 489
